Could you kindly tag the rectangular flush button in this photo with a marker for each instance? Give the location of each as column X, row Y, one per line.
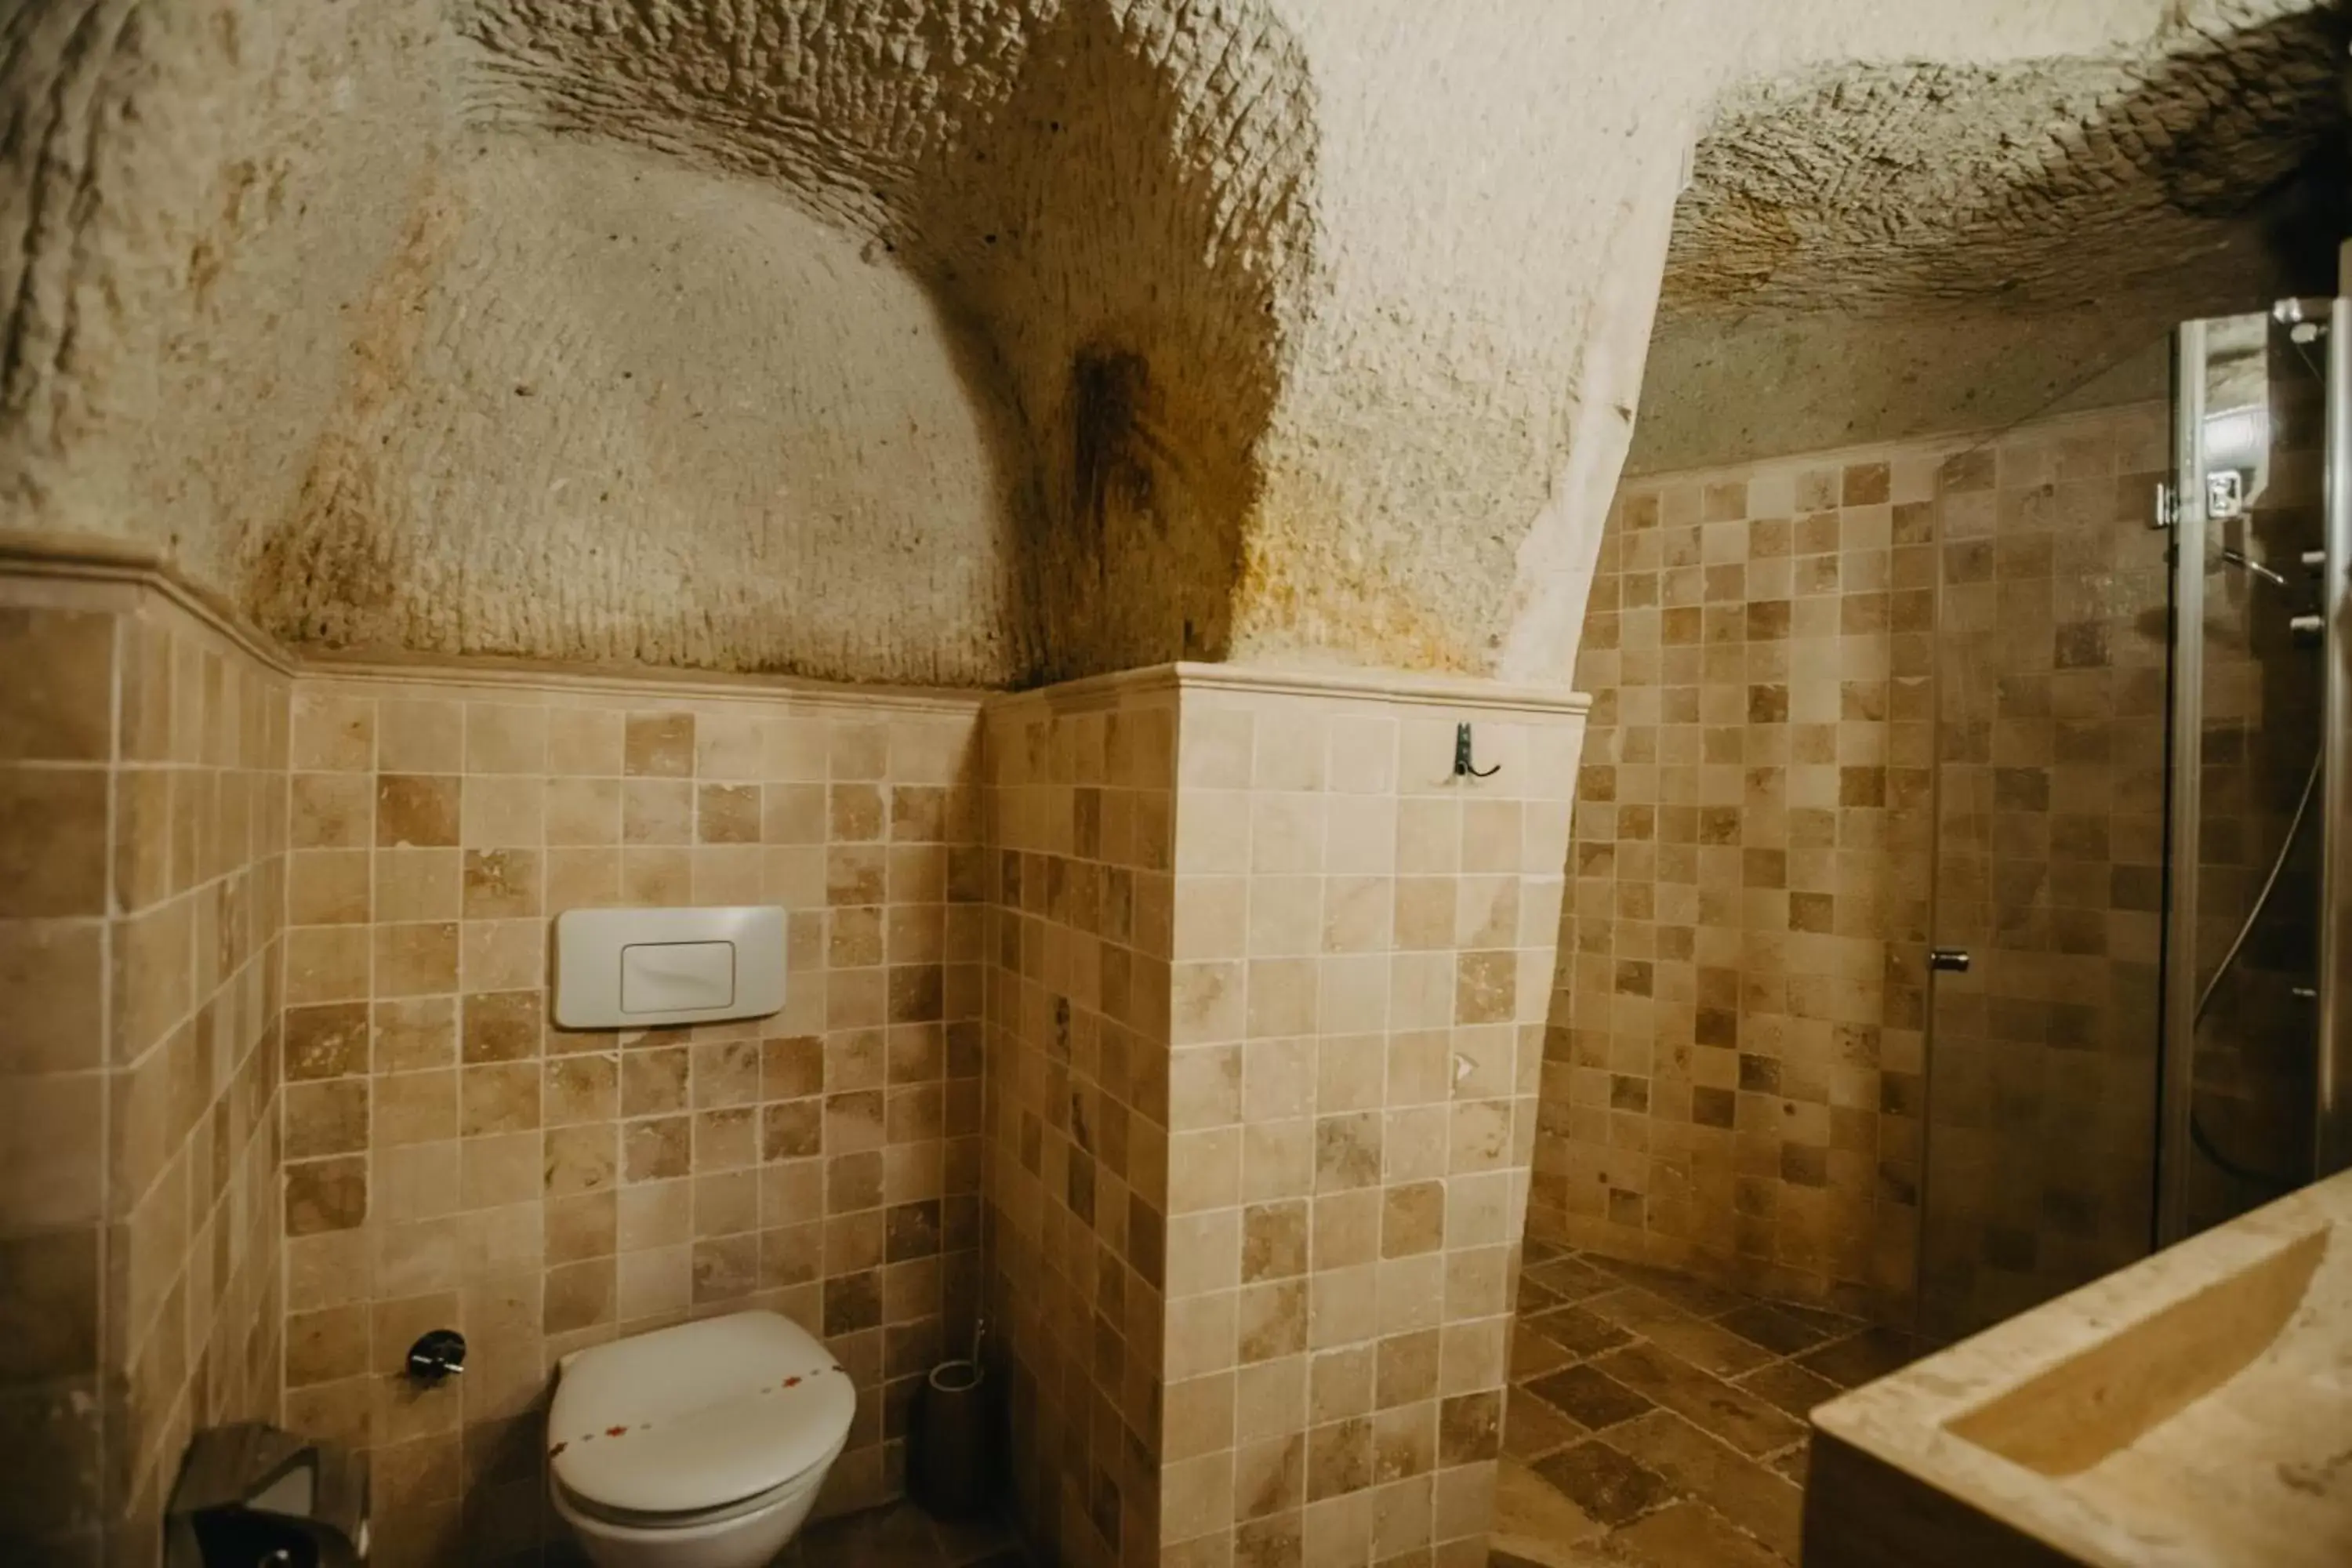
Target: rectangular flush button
column 676, row 976
column 632, row 969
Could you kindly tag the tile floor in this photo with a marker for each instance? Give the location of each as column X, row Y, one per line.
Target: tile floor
column 1656, row 1420
column 903, row 1536
column 1653, row 1422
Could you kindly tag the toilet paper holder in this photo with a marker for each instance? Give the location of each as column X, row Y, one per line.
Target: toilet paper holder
column 252, row 1494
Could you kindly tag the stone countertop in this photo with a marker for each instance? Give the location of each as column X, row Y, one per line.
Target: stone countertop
column 2191, row 1411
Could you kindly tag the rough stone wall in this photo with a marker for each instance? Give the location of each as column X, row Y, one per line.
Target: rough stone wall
column 1874, row 251
column 191, row 195
column 696, row 428
column 1014, row 338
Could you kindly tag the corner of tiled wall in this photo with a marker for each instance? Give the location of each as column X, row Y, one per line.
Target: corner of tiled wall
column 141, row 831
column 1737, row 1074
column 1213, row 1011
column 1363, row 959
column 1081, row 835
column 456, row 1160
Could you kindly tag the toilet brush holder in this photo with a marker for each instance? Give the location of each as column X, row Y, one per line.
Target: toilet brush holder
column 948, row 1462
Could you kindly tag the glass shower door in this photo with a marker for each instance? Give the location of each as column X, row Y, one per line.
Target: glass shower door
column 2139, row 1000
column 2242, row 996
column 2049, row 675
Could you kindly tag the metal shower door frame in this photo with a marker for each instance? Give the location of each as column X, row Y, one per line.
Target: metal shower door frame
column 2332, row 1107
column 2184, row 785
column 2183, row 511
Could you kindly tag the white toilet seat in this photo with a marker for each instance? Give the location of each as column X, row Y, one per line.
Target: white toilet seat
column 702, row 1446
column 633, row 1519
column 637, row 1519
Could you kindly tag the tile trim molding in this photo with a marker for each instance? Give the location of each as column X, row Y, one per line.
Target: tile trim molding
column 95, row 558
column 1387, row 686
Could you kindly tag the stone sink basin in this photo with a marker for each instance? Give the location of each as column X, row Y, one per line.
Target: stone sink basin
column 2193, row 1409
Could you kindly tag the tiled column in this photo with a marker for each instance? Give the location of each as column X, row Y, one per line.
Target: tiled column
column 1254, row 1213
column 141, row 830
column 1364, row 948
column 1076, row 1156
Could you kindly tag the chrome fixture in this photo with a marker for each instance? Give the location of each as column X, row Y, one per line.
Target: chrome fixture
column 2246, row 563
column 438, row 1356
column 2332, row 1123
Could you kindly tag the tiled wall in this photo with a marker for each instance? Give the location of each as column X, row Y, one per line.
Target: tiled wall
column 1260, row 985
column 1737, row 1068
column 1262, row 1094
column 2051, row 685
column 141, row 835
column 1363, row 957
column 454, row 1160
column 1080, row 797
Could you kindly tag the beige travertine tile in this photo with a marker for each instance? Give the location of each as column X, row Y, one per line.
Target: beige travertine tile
column 583, row 878
column 413, row 884
column 416, row 959
column 586, row 742
column 54, row 852
column 142, row 836
column 333, row 733
column 659, row 744
column 52, row 991
column 54, row 1150
column 409, row 809
column 420, row 736
column 501, row 884
column 415, row 1108
column 503, row 810
column 329, row 886
column 327, row 963
column 506, row 737
column 58, row 707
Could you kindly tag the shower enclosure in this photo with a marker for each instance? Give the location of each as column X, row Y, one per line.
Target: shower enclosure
column 2137, row 972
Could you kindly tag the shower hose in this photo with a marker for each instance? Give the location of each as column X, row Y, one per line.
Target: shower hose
column 2197, row 1133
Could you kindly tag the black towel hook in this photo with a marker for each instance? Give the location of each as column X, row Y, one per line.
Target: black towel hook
column 1464, row 768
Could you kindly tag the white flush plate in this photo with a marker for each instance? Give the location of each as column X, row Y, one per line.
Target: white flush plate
column 635, row 969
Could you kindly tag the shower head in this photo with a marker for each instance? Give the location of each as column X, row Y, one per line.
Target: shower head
column 2246, row 563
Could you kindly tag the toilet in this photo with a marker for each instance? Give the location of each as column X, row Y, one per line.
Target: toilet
column 701, row 1445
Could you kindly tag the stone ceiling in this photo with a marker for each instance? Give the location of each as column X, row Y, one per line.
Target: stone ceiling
column 1919, row 247
column 985, row 341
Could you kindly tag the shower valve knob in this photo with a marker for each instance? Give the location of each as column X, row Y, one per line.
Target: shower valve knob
column 1950, row 960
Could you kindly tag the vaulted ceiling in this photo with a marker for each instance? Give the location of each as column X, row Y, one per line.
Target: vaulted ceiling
column 994, row 340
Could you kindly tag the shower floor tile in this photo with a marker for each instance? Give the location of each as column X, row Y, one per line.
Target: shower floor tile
column 1656, row 1421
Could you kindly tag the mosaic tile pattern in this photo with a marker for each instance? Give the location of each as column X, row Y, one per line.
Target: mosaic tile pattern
column 454, row 1159
column 1364, row 955
column 1733, row 1079
column 2051, row 649
column 1262, row 1086
column 1080, row 796
column 1657, row 1419
column 1795, row 666
column 141, row 841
